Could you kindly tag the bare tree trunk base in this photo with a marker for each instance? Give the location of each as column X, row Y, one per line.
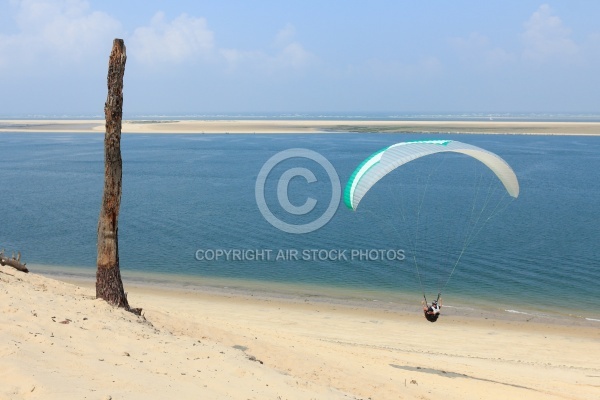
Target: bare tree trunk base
column 110, row 287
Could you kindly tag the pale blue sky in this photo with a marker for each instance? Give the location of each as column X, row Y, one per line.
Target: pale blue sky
column 304, row 56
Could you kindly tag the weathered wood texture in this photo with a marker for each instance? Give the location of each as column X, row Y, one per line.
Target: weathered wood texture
column 109, row 285
column 14, row 262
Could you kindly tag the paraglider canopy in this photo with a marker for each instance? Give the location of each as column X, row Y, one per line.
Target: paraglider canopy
column 379, row 164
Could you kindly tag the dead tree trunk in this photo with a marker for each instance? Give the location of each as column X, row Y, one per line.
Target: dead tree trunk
column 13, row 262
column 109, row 285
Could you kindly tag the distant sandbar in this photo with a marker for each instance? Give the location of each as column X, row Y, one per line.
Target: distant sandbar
column 307, row 127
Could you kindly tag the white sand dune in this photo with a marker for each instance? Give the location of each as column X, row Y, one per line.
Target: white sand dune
column 59, row 342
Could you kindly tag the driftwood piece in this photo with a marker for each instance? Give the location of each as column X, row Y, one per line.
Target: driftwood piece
column 14, row 262
column 109, row 285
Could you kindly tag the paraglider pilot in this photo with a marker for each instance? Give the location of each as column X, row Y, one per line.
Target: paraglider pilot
column 432, row 312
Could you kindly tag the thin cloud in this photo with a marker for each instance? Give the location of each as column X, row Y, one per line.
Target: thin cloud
column 55, row 32
column 291, row 53
column 547, row 38
column 288, row 54
column 291, row 57
column 478, row 50
column 294, row 55
column 285, row 36
column 176, row 41
column 59, row 33
column 188, row 38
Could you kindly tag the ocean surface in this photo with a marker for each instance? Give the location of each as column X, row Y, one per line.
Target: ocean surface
column 337, row 116
column 189, row 214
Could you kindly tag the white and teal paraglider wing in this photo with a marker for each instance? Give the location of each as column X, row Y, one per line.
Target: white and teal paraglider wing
column 388, row 159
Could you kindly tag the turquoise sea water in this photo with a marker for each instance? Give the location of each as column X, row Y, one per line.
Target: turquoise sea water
column 184, row 193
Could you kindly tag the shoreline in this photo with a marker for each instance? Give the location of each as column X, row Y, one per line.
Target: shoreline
column 62, row 342
column 158, row 126
column 456, row 307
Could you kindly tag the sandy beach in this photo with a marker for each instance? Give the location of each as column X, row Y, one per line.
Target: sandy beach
column 60, row 342
column 306, row 126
